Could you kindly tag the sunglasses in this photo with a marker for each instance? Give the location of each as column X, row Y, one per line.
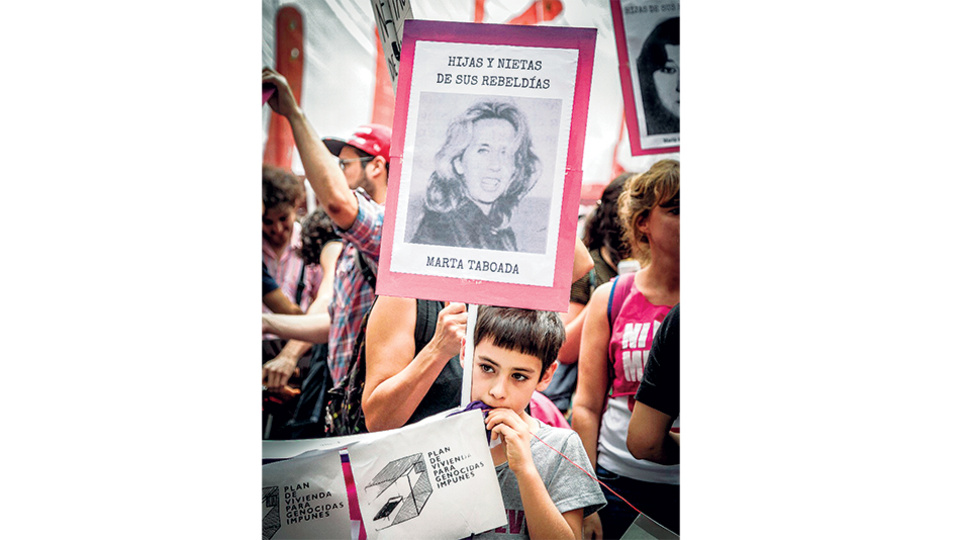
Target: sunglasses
column 343, row 162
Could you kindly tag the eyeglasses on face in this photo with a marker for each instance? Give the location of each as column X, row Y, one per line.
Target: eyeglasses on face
column 343, row 162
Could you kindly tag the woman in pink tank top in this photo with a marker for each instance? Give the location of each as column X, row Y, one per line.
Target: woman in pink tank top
column 613, row 352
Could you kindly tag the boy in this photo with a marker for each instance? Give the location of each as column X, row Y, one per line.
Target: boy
column 545, row 496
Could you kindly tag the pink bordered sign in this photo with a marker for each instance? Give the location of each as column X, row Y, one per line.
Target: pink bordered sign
column 485, row 164
column 647, row 33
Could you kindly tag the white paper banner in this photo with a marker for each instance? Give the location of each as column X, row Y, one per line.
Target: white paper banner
column 276, row 450
column 305, row 497
column 432, row 479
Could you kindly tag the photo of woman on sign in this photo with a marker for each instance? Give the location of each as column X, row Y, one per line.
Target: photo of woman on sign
column 484, row 168
column 658, row 71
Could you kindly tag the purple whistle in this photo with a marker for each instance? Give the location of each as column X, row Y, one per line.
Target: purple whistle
column 475, row 405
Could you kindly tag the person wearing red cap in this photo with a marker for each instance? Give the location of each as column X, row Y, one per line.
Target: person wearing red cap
column 349, row 178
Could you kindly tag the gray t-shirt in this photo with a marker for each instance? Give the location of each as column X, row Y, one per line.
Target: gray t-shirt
column 569, row 487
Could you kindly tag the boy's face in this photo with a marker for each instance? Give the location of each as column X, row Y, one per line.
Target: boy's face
column 506, row 378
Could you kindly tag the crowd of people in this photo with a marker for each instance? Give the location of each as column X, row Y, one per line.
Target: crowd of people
column 599, row 383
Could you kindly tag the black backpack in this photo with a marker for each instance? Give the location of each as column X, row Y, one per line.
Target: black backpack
column 308, row 416
column 344, row 414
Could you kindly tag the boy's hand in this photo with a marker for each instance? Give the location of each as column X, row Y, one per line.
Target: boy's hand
column 282, row 101
column 515, row 434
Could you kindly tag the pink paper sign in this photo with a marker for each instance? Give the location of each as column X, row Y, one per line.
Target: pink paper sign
column 485, row 165
column 267, row 92
column 647, row 33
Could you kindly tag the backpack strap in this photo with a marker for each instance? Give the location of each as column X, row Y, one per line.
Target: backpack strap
column 300, row 283
column 365, row 268
column 617, row 295
column 427, row 312
column 359, row 356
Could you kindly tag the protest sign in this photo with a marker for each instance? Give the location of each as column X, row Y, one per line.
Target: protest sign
column 305, row 497
column 277, row 450
column 644, row 528
column 418, row 481
column 485, row 172
column 390, row 15
column 647, row 33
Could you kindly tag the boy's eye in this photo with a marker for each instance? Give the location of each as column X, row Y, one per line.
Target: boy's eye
column 486, row 368
column 520, row 377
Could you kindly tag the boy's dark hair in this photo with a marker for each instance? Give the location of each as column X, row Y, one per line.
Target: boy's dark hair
column 281, row 188
column 318, row 229
column 527, row 331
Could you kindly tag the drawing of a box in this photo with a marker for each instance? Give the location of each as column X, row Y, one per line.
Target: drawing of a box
column 404, row 487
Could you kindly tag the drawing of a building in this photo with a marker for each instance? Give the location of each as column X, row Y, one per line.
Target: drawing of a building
column 271, row 516
column 404, row 487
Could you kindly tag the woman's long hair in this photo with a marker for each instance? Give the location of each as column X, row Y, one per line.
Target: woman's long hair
column 642, row 192
column 447, row 191
column 602, row 227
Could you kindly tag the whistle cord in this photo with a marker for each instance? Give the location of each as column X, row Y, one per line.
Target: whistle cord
column 597, row 480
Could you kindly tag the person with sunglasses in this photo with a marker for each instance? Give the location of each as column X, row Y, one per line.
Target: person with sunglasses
column 349, row 178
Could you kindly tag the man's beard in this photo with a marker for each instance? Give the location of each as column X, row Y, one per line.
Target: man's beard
column 365, row 182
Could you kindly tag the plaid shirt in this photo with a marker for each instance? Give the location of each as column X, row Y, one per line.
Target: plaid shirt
column 285, row 269
column 352, row 295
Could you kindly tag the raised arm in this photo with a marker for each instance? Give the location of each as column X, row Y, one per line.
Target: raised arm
column 322, row 168
column 397, row 380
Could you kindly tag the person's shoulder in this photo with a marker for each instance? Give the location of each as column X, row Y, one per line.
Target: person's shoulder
column 368, row 205
column 555, row 435
column 603, row 290
column 367, row 224
column 558, row 444
column 362, row 194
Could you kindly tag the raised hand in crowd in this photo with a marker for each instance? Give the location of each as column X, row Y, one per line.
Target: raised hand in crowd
column 398, row 376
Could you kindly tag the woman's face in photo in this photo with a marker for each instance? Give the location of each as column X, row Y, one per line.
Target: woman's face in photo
column 487, row 164
column 667, row 80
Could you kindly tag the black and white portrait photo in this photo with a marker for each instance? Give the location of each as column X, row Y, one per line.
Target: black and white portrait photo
column 485, row 171
column 658, row 72
column 648, row 46
column 485, row 165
